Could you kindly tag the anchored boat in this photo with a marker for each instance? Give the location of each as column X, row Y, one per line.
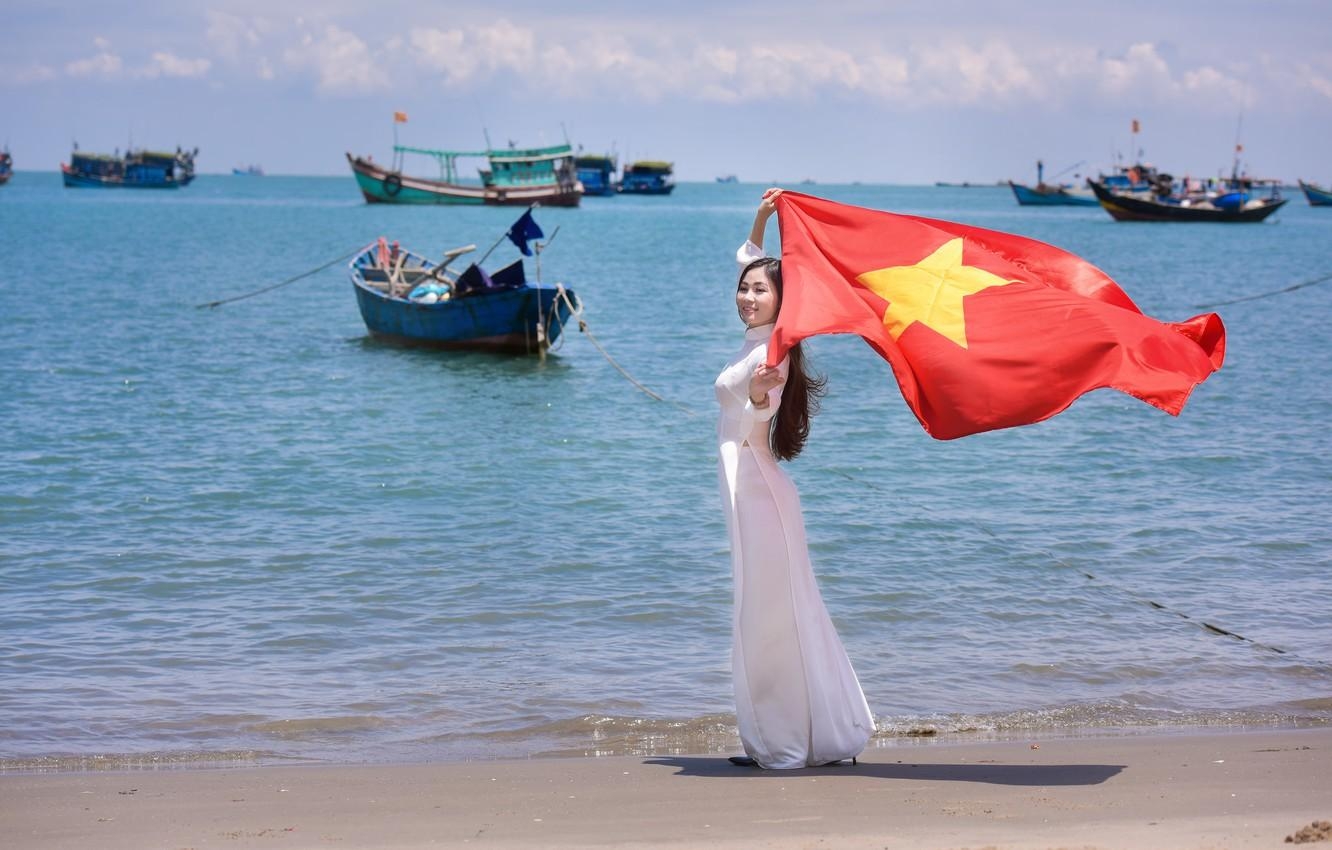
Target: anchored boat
column 1317, row 195
column 407, row 298
column 597, row 174
column 515, row 177
column 137, row 169
column 6, row 166
column 1235, row 205
column 648, row 177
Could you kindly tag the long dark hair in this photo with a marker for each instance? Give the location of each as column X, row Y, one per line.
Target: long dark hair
column 789, row 428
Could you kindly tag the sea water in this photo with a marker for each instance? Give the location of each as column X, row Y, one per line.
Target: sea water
column 252, row 533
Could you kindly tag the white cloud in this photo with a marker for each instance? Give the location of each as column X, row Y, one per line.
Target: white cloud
column 230, row 34
column 167, row 64
column 103, row 64
column 26, row 75
column 342, row 62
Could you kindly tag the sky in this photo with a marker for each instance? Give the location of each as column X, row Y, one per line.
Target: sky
column 880, row 91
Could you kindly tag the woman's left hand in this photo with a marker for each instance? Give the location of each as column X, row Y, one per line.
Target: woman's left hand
column 764, row 380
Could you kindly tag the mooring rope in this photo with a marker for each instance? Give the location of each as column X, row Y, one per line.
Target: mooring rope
column 1282, row 291
column 289, row 280
column 1109, row 585
column 577, row 313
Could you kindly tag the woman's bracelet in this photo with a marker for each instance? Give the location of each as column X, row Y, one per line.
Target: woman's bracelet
column 763, row 403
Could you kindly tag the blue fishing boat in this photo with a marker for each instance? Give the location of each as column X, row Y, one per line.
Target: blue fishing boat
column 516, row 177
column 408, row 299
column 728, row 178
column 1317, row 195
column 6, row 166
column 248, row 171
column 648, row 177
column 1052, row 194
column 597, row 174
column 137, row 169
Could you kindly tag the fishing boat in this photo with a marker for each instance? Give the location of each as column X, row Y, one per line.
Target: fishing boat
column 728, row 178
column 6, row 166
column 1233, row 205
column 1317, row 195
column 515, row 177
column 137, row 169
column 1052, row 194
column 406, row 298
column 648, row 177
column 597, row 174
column 248, row 171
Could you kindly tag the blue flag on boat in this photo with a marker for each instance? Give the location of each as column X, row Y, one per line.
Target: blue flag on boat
column 523, row 229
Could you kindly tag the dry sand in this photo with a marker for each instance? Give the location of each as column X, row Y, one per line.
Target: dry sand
column 1230, row 790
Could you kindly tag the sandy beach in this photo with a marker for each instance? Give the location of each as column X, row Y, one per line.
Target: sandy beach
column 1216, row 790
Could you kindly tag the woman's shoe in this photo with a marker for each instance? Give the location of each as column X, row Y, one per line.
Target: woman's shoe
column 743, row 761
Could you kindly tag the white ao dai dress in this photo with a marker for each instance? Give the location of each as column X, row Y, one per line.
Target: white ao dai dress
column 797, row 700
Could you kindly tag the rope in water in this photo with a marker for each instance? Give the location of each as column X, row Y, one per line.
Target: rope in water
column 577, row 313
column 1282, row 291
column 1121, row 591
column 289, row 280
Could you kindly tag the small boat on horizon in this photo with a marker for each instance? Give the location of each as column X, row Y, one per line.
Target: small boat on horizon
column 728, row 178
column 516, row 177
column 248, row 171
column 1316, row 195
column 6, row 166
column 408, row 299
column 648, row 177
column 137, row 169
column 597, row 174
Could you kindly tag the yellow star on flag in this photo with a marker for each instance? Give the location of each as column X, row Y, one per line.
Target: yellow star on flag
column 930, row 292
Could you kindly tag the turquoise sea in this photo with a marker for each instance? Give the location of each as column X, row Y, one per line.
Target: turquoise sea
column 252, row 534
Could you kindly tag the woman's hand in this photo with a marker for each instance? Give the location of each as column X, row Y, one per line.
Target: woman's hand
column 764, row 379
column 768, row 205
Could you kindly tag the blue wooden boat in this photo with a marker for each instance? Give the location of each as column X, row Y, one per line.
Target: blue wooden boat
column 597, row 174
column 1318, row 196
column 6, row 166
column 248, row 171
column 648, row 177
column 408, row 299
column 1052, row 194
column 141, row 169
column 516, row 177
column 1047, row 195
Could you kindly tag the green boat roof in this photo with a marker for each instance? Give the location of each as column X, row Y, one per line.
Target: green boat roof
column 500, row 155
column 651, row 165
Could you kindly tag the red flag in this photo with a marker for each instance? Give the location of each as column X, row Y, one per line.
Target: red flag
column 983, row 329
column 1136, row 126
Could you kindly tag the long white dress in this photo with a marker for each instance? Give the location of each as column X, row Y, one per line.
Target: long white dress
column 797, row 700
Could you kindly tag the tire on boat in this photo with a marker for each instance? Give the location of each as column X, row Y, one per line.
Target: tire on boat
column 392, row 185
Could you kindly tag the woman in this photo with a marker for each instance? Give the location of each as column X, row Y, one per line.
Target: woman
column 797, row 700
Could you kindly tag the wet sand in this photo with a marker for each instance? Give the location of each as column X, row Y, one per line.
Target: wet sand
column 1209, row 791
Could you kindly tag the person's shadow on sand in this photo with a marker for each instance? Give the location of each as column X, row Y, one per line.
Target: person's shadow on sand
column 994, row 774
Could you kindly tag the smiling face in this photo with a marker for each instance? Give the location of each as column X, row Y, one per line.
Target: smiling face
column 756, row 298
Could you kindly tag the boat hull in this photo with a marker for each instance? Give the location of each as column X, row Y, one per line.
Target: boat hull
column 523, row 319
column 1316, row 195
column 74, row 180
column 1124, row 208
column 1057, row 196
column 381, row 186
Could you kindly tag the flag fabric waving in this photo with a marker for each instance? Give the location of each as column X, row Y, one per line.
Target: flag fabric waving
column 983, row 329
column 399, row 117
column 523, row 229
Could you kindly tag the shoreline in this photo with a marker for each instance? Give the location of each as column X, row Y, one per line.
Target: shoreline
column 1207, row 789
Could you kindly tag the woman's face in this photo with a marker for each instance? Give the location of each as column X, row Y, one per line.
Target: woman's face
column 756, row 299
